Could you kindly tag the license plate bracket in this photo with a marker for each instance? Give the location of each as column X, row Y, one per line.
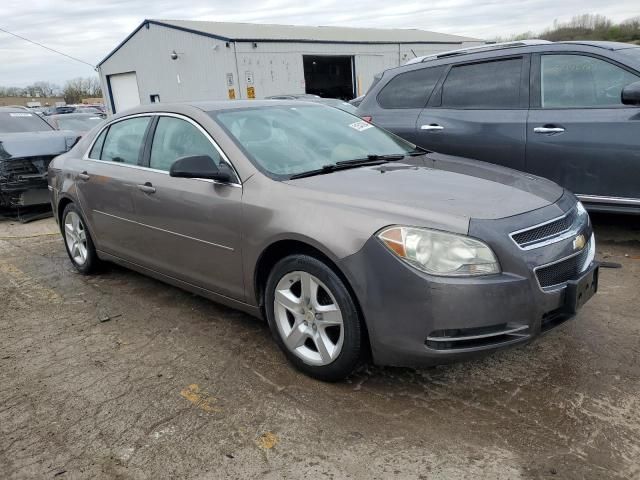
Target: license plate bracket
column 579, row 291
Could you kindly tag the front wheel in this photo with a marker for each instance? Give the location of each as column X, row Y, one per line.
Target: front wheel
column 313, row 318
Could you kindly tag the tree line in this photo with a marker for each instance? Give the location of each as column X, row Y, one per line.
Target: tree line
column 586, row 27
column 73, row 91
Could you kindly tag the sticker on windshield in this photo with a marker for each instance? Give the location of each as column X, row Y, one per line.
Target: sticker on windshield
column 20, row 114
column 361, row 126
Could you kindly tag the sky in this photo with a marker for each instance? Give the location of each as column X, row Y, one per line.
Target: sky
column 90, row 29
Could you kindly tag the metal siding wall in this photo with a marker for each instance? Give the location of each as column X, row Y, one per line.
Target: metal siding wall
column 275, row 67
column 201, row 67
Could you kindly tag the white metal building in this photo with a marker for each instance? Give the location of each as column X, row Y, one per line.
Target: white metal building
column 177, row 60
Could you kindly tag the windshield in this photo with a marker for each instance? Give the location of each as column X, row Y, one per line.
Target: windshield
column 285, row 140
column 16, row 122
column 81, row 124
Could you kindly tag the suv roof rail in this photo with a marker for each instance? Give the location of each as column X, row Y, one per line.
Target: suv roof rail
column 479, row 48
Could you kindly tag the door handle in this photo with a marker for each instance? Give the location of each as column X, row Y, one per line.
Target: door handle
column 548, row 130
column 84, row 176
column 432, row 127
column 147, row 188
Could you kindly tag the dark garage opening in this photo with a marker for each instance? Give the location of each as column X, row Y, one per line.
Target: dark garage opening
column 329, row 76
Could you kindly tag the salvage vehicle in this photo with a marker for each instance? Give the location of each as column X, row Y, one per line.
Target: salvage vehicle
column 349, row 240
column 567, row 111
column 27, row 145
column 80, row 123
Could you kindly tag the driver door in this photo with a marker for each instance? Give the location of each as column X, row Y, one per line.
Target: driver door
column 579, row 134
column 192, row 226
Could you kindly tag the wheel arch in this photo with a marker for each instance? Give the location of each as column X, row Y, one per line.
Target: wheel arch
column 280, row 249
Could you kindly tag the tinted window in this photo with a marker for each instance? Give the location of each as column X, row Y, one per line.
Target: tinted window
column 97, row 146
column 285, row 140
column 176, row 138
column 570, row 81
column 15, row 122
column 410, row 89
column 124, row 141
column 484, row 85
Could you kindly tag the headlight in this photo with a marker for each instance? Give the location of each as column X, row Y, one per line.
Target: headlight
column 440, row 253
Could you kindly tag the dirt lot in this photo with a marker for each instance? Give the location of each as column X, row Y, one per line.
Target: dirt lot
column 174, row 386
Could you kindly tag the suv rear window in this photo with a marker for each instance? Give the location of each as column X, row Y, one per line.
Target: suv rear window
column 411, row 89
column 489, row 85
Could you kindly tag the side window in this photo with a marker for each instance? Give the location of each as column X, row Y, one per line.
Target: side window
column 574, row 81
column 176, row 138
column 124, row 141
column 488, row 85
column 410, row 89
column 97, row 146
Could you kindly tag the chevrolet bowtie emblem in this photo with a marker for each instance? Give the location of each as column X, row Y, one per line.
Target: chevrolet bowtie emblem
column 579, row 242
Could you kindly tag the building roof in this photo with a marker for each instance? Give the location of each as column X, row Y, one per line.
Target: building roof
column 253, row 32
column 287, row 33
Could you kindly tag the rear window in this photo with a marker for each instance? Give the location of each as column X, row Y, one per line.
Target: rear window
column 488, row 85
column 16, row 122
column 411, row 89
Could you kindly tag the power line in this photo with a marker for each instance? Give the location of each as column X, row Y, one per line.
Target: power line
column 47, row 48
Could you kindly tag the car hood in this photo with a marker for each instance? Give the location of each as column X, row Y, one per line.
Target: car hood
column 33, row 144
column 444, row 185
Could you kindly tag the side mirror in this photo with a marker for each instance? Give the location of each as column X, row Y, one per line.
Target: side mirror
column 631, row 94
column 199, row 166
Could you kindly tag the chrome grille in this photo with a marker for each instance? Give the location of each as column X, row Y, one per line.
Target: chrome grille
column 543, row 232
column 564, row 270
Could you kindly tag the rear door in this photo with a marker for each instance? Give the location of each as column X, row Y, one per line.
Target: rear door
column 398, row 104
column 480, row 111
column 579, row 133
column 192, row 227
column 106, row 177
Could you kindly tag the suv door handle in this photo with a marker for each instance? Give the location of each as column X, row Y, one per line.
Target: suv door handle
column 548, row 129
column 147, row 188
column 84, row 176
column 432, row 127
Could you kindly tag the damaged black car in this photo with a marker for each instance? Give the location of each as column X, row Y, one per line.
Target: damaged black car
column 27, row 146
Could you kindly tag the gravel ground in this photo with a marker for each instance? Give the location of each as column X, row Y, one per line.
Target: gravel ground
column 121, row 376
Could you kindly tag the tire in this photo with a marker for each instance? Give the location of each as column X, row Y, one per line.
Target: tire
column 78, row 241
column 313, row 318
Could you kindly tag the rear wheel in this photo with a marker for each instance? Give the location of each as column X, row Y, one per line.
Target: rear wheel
column 78, row 241
column 313, row 318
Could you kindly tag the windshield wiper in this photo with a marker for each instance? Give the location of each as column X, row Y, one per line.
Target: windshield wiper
column 416, row 152
column 372, row 158
column 369, row 160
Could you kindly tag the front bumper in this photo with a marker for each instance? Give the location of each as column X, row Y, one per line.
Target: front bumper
column 415, row 319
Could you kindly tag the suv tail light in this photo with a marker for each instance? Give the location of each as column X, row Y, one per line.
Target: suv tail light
column 367, row 118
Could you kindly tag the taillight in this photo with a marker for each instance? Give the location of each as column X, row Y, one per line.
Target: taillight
column 367, row 118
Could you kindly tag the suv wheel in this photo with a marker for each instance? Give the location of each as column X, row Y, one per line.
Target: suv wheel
column 313, row 318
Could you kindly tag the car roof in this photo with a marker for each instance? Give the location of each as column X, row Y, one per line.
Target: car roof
column 521, row 44
column 11, row 109
column 74, row 115
column 188, row 107
column 601, row 44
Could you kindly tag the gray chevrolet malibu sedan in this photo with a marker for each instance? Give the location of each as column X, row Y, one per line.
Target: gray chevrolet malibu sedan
column 351, row 242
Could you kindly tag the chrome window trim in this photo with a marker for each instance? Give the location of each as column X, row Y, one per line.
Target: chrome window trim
column 612, row 200
column 165, row 114
column 544, row 241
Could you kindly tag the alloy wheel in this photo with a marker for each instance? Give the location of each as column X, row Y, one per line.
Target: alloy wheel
column 308, row 318
column 76, row 238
